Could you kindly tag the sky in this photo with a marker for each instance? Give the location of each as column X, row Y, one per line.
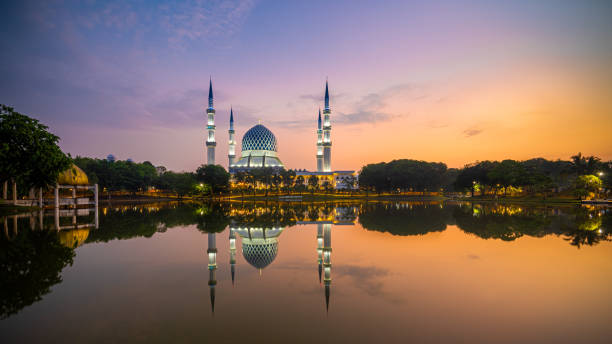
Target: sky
column 453, row 82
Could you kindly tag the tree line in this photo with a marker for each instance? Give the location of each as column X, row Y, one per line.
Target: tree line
column 405, row 175
column 581, row 176
column 119, row 175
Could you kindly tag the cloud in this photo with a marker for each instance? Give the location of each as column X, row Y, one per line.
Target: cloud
column 371, row 108
column 195, row 20
column 366, row 278
column 185, row 107
column 435, row 124
column 319, row 98
column 472, row 132
column 178, row 23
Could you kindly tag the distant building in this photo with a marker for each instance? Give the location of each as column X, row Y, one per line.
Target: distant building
column 110, row 158
column 339, row 180
column 160, row 170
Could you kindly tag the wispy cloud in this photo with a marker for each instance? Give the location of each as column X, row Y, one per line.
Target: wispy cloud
column 198, row 19
column 472, row 132
column 318, row 98
column 178, row 23
column 368, row 279
column 371, row 108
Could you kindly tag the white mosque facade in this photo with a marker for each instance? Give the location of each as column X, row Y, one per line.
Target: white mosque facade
column 259, row 146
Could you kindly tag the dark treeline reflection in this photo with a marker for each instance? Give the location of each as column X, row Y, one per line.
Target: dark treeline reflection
column 31, row 262
column 578, row 225
column 405, row 218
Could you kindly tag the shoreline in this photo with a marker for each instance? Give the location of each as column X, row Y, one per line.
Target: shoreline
column 9, row 209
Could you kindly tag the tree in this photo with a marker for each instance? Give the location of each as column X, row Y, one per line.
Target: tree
column 181, row 183
column 288, row 177
column 313, row 183
column 299, row 183
column 585, row 164
column 215, row 176
column 474, row 174
column 28, row 152
column 327, row 186
column 240, row 178
column 276, row 181
column 349, row 182
column 587, row 185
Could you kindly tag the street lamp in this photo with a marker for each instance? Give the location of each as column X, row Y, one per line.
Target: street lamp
column 600, row 174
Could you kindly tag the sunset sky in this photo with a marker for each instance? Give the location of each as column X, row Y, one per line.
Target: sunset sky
column 453, row 81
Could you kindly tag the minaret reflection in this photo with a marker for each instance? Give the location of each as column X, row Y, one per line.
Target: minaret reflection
column 327, row 261
column 320, row 248
column 232, row 248
column 212, row 267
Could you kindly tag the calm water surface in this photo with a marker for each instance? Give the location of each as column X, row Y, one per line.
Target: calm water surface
column 393, row 272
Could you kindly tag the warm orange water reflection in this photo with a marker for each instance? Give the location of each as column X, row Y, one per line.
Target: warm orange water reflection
column 441, row 286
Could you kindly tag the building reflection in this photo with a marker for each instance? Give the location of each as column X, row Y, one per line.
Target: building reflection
column 72, row 225
column 260, row 245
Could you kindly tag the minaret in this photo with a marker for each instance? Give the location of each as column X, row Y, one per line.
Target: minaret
column 319, row 145
column 232, row 141
column 320, row 248
column 212, row 267
column 232, row 247
column 210, row 127
column 326, row 133
column 327, row 261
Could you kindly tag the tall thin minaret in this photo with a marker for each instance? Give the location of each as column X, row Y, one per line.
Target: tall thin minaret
column 327, row 261
column 210, row 127
column 232, row 141
column 212, row 267
column 326, row 133
column 232, row 247
column 319, row 144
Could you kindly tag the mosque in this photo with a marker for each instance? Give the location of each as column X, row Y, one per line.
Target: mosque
column 259, row 147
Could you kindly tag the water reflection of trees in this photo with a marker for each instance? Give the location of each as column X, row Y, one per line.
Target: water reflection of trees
column 578, row 225
column 502, row 222
column 144, row 221
column 30, row 264
column 405, row 218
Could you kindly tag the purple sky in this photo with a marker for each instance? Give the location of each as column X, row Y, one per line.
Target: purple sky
column 446, row 81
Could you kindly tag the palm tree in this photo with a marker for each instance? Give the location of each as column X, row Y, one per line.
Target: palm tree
column 288, row 177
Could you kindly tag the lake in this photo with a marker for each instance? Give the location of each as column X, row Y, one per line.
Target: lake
column 295, row 272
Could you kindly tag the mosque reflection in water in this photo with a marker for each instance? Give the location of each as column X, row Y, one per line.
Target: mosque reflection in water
column 36, row 247
column 260, row 245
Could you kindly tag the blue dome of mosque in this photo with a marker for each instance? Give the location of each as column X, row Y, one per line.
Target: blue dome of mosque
column 259, row 138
